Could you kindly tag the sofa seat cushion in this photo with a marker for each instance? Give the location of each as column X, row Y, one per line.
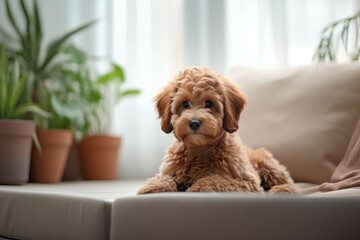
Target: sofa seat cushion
column 304, row 116
column 68, row 210
column 214, row 216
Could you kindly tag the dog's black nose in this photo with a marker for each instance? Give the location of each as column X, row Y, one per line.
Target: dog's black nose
column 194, row 124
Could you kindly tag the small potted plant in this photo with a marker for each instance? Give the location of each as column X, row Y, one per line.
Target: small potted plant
column 98, row 149
column 15, row 133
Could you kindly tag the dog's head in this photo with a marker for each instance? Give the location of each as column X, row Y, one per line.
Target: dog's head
column 199, row 105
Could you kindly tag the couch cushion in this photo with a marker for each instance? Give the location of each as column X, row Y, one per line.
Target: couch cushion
column 234, row 216
column 68, row 210
column 304, row 116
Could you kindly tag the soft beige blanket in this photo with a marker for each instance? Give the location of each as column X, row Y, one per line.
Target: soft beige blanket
column 347, row 173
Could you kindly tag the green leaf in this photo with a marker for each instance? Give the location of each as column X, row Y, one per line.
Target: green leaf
column 130, row 92
column 345, row 35
column 94, row 97
column 54, row 48
column 25, row 11
column 107, row 78
column 11, row 18
column 30, row 107
column 119, row 72
column 127, row 93
column 76, row 54
column 6, row 35
column 37, row 142
column 64, row 109
column 37, row 22
column 27, row 19
column 36, row 36
column 16, row 90
column 3, row 82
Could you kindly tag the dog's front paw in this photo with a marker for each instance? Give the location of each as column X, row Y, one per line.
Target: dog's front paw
column 283, row 189
column 159, row 184
column 205, row 184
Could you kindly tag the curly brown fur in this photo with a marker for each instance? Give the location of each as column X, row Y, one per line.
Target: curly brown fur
column 202, row 109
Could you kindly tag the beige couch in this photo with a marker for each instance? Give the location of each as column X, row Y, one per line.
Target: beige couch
column 304, row 116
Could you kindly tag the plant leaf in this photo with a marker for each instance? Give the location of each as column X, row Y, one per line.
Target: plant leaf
column 63, row 108
column 16, row 90
column 94, row 97
column 37, row 142
column 54, row 48
column 130, row 92
column 76, row 54
column 6, row 35
column 27, row 19
column 3, row 81
column 25, row 11
column 127, row 93
column 36, row 35
column 30, row 107
column 107, row 78
column 119, row 72
column 11, row 19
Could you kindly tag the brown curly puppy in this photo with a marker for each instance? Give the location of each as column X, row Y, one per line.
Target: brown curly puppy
column 203, row 108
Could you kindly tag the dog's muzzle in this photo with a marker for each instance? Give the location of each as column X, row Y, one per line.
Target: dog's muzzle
column 194, row 124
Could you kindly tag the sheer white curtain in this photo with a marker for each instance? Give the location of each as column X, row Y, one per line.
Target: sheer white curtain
column 273, row 33
column 153, row 39
column 147, row 41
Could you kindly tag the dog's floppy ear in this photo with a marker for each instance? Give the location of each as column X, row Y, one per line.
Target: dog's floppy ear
column 234, row 102
column 163, row 107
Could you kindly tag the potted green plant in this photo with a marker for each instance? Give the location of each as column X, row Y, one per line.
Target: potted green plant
column 15, row 132
column 98, row 149
column 43, row 67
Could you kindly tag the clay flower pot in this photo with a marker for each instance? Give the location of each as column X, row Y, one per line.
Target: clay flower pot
column 47, row 164
column 15, row 149
column 72, row 170
column 99, row 157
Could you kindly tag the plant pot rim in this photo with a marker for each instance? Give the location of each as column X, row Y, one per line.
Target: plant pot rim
column 15, row 120
column 100, row 141
column 102, row 135
column 54, row 130
column 55, row 136
column 17, row 127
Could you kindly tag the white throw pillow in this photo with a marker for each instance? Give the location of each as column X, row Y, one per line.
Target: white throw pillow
column 304, row 116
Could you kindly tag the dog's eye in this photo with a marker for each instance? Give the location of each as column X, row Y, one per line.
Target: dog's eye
column 186, row 104
column 208, row 104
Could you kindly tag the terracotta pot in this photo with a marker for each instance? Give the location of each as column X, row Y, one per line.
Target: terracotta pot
column 72, row 170
column 15, row 146
column 47, row 164
column 99, row 157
